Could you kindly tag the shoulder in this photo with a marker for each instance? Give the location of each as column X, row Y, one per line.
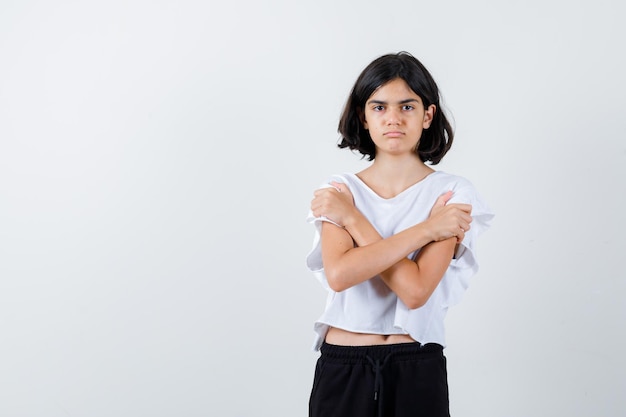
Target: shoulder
column 465, row 192
column 351, row 180
column 452, row 182
column 463, row 189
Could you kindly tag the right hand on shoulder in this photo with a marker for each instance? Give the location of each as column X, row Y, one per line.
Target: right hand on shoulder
column 335, row 203
column 449, row 220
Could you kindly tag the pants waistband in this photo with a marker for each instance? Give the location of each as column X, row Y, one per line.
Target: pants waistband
column 395, row 352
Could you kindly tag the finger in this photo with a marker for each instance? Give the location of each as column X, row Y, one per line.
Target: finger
column 316, row 202
column 315, row 207
column 461, row 235
column 443, row 199
column 461, row 206
column 339, row 186
column 321, row 191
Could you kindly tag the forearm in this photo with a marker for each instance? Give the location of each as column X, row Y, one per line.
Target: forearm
column 365, row 234
column 413, row 282
column 346, row 265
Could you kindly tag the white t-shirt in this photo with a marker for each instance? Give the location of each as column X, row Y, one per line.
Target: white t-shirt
column 371, row 307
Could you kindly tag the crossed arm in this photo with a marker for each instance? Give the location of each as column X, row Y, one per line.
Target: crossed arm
column 357, row 252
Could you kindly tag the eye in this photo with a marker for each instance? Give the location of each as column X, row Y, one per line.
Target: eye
column 378, row 108
column 407, row 107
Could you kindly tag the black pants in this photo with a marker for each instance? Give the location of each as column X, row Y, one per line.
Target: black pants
column 401, row 380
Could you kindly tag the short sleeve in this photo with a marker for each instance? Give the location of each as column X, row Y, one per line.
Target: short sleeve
column 314, row 258
column 465, row 263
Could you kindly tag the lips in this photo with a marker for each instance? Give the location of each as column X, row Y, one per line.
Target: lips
column 393, row 134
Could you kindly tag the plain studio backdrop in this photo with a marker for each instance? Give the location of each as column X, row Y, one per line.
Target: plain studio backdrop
column 157, row 160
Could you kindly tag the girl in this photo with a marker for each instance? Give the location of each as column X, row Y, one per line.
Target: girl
column 394, row 248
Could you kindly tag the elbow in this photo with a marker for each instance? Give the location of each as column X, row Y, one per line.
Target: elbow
column 416, row 299
column 337, row 287
column 336, row 280
column 413, row 304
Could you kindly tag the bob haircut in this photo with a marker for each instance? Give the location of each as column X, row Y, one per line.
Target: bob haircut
column 435, row 141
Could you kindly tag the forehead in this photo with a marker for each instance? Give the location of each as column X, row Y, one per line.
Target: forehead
column 394, row 90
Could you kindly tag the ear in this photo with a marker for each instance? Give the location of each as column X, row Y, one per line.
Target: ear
column 429, row 113
column 362, row 118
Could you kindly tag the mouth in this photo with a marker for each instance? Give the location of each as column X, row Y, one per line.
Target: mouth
column 393, row 134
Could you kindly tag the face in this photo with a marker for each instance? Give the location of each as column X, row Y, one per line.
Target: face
column 395, row 118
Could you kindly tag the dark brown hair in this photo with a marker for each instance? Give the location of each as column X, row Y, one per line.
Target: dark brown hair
column 435, row 141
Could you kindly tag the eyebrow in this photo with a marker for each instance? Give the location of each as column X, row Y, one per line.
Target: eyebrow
column 408, row 100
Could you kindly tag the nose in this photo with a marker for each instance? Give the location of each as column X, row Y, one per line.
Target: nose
column 393, row 117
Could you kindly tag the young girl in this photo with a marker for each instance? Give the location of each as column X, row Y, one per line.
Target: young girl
column 394, row 248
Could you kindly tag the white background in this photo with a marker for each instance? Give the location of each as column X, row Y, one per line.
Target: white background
column 157, row 159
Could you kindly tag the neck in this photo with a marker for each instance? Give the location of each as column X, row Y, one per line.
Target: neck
column 391, row 175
